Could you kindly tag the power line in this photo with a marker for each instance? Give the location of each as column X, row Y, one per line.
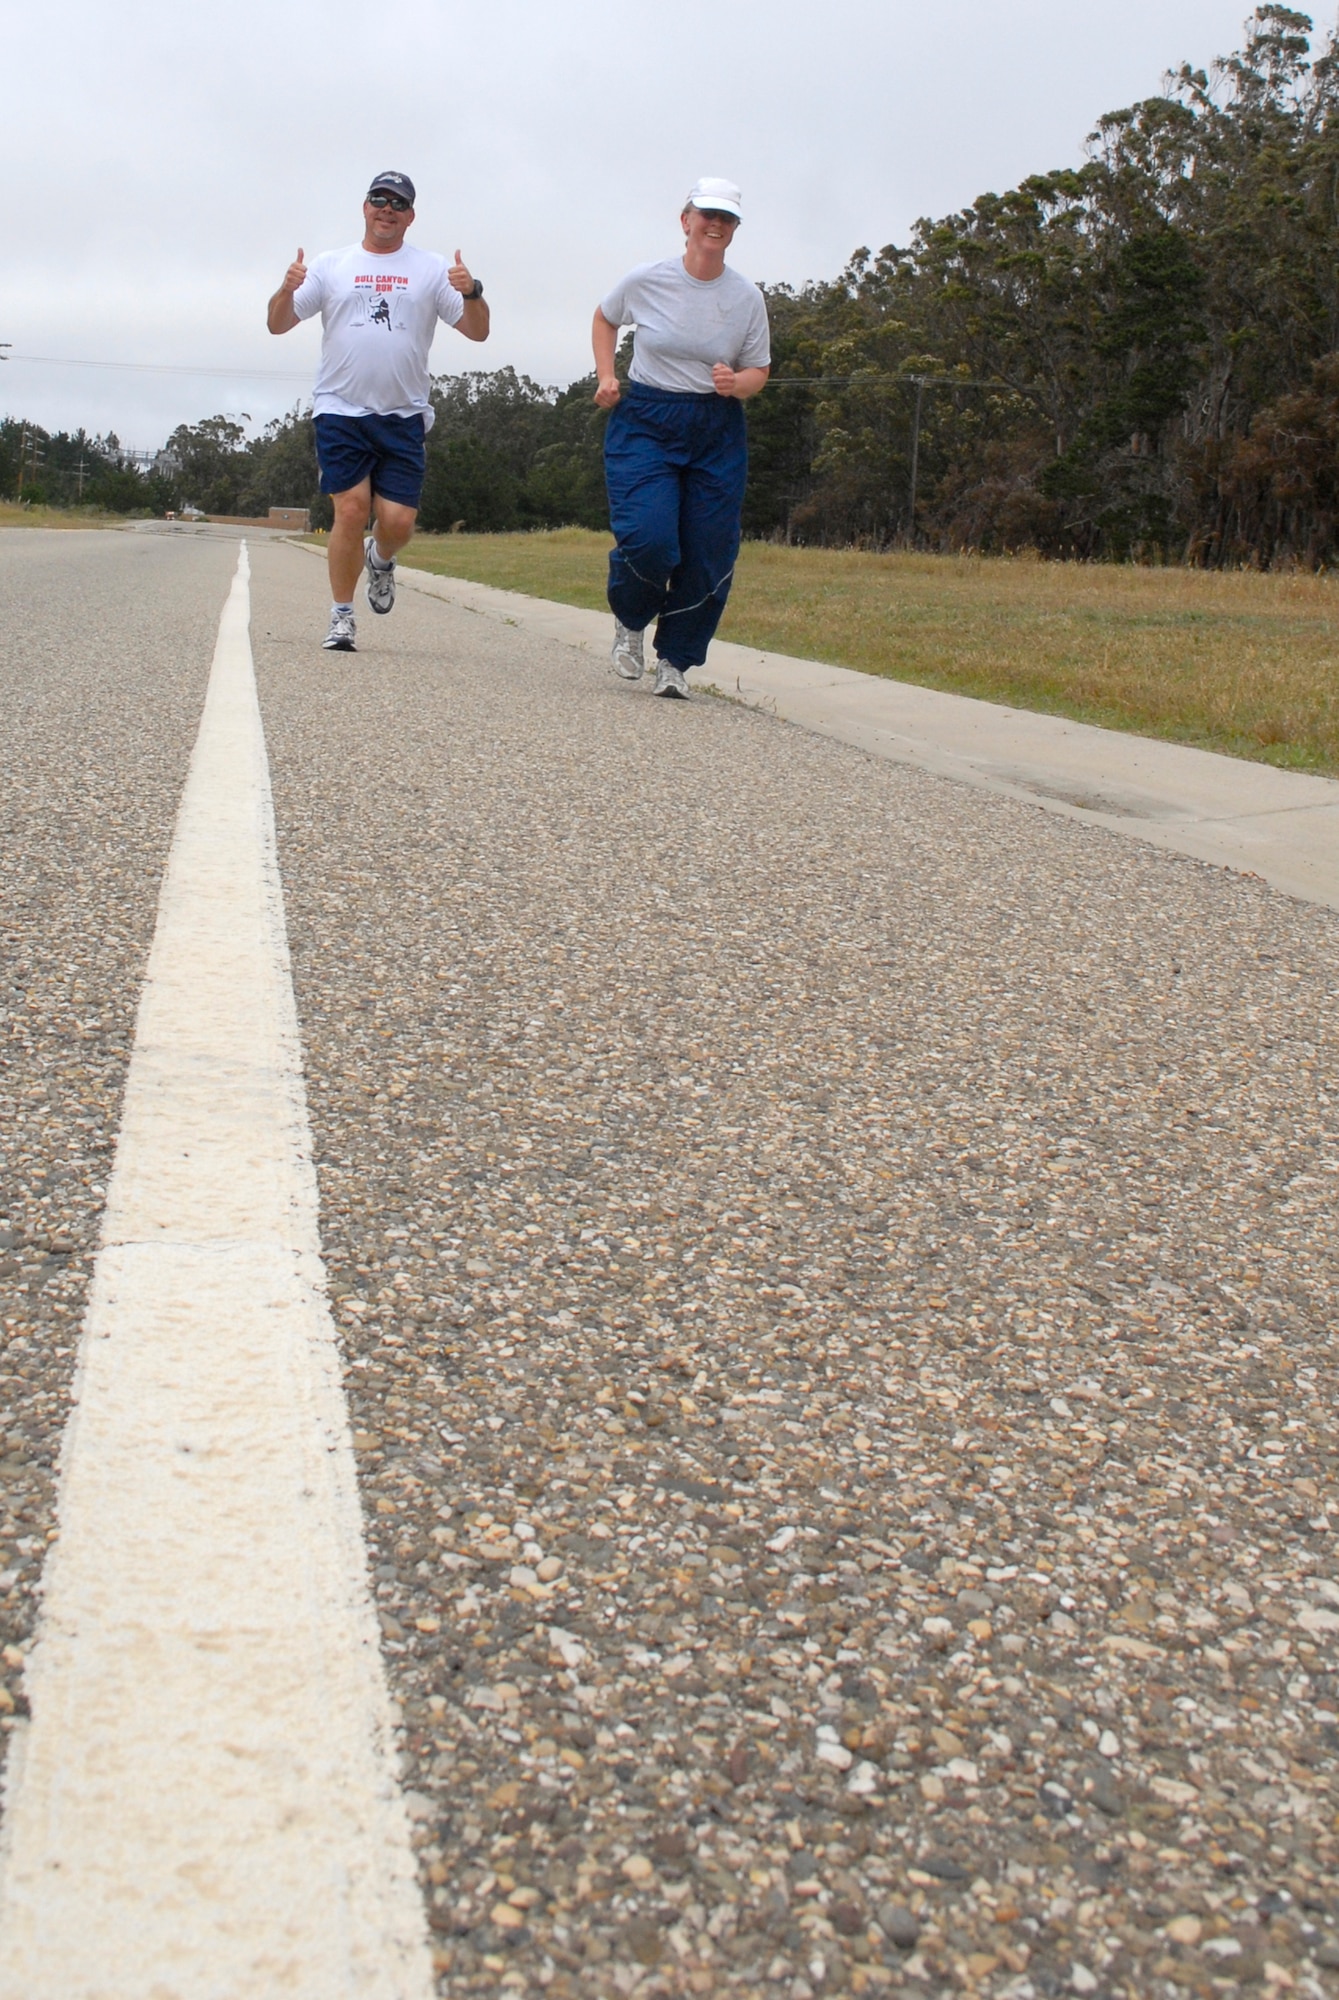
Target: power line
column 868, row 381
column 163, row 368
column 920, row 383
column 896, row 382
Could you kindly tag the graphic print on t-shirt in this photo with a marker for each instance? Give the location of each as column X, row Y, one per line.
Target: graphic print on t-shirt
column 381, row 298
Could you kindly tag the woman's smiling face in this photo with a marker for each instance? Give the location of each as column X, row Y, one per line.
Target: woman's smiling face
column 709, row 229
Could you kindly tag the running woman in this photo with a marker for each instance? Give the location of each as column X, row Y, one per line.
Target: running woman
column 675, row 451
column 379, row 302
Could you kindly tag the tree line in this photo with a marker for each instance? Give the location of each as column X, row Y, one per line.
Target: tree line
column 504, row 453
column 1137, row 357
column 72, row 469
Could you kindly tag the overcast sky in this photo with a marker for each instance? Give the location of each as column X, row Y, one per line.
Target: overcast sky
column 166, row 161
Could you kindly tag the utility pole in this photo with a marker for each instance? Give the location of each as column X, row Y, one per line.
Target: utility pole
column 920, row 381
column 924, row 382
column 5, row 357
column 30, row 454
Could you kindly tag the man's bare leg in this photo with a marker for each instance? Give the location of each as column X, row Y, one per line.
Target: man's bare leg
column 393, row 527
column 344, row 552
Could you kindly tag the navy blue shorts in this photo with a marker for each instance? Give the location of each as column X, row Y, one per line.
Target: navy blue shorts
column 387, row 450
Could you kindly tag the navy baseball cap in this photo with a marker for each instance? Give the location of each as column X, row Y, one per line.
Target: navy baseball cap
column 394, row 184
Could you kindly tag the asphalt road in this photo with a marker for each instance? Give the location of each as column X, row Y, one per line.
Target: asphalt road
column 105, row 645
column 838, row 1279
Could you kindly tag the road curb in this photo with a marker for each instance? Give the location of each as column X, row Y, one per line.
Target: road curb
column 1281, row 827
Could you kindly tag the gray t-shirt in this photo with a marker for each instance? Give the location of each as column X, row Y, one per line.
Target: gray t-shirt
column 686, row 325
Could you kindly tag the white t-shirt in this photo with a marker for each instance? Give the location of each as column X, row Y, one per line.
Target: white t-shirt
column 379, row 315
column 686, row 325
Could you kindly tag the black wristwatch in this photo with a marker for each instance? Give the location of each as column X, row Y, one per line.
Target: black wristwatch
column 476, row 290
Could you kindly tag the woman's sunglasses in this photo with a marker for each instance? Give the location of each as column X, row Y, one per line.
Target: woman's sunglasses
column 395, row 201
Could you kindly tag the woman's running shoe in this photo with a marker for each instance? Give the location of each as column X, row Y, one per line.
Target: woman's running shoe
column 628, row 657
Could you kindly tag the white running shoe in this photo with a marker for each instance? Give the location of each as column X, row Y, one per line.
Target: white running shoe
column 380, row 582
column 340, row 637
column 670, row 681
column 628, row 657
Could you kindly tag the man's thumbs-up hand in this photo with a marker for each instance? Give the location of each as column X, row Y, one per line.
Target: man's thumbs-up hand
column 461, row 279
column 296, row 273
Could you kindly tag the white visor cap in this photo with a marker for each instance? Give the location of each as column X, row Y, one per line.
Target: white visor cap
column 709, row 193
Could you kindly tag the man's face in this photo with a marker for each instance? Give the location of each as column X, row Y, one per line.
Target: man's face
column 385, row 225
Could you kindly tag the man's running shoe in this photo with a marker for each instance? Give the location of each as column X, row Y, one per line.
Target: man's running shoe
column 670, row 681
column 340, row 637
column 628, row 656
column 380, row 582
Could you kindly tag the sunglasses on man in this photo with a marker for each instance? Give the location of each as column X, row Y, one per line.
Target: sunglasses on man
column 395, row 201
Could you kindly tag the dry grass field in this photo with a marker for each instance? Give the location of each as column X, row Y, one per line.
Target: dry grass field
column 1242, row 663
column 14, row 516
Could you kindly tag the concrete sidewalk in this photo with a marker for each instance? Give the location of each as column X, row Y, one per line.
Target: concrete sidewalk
column 1282, row 826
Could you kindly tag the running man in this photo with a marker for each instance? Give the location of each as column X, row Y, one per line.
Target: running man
column 675, row 450
column 372, row 403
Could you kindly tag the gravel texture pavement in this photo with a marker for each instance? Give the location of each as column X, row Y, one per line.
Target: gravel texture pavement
column 839, row 1287
column 838, row 1279
column 105, row 646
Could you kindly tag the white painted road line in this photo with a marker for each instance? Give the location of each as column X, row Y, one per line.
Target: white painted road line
column 204, row 1806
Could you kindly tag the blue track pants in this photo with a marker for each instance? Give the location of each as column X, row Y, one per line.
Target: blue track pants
column 675, row 467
